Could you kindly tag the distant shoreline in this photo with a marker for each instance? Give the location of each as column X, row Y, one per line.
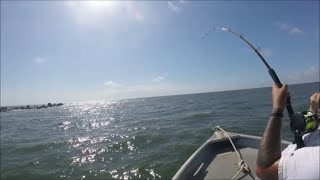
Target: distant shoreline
column 181, row 94
column 10, row 108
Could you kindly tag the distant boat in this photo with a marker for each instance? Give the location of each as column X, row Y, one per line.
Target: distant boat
column 224, row 155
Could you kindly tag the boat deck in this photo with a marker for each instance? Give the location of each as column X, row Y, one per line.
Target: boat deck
column 225, row 163
column 217, row 159
column 222, row 161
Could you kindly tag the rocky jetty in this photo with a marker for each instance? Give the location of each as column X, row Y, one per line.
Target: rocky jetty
column 3, row 109
column 49, row 105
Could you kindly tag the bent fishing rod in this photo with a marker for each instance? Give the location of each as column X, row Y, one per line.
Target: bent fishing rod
column 272, row 73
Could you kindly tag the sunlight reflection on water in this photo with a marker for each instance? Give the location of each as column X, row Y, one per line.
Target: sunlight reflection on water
column 112, row 144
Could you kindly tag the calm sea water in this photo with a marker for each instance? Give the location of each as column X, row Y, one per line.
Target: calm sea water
column 130, row 139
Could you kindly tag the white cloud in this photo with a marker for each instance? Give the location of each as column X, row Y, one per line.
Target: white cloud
column 311, row 74
column 111, row 84
column 295, row 30
column 173, row 7
column 40, row 60
column 291, row 29
column 158, row 79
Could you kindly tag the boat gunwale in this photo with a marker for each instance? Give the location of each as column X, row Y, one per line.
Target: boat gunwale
column 216, row 139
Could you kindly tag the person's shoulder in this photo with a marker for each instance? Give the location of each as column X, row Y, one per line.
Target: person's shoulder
column 312, row 139
column 310, row 149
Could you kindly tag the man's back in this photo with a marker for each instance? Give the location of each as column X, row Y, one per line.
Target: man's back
column 302, row 163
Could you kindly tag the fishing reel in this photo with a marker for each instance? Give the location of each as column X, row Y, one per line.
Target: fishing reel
column 304, row 122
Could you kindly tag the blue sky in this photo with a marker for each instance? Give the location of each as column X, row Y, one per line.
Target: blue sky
column 79, row 51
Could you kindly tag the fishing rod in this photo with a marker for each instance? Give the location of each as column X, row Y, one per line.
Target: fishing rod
column 272, row 73
column 300, row 122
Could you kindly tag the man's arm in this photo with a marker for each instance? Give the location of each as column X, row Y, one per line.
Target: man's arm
column 270, row 145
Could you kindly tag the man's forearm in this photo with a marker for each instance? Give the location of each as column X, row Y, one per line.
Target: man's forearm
column 270, row 145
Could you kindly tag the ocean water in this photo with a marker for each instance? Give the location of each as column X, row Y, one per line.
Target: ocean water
column 147, row 138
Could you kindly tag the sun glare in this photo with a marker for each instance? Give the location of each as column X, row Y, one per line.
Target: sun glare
column 94, row 12
column 93, row 6
column 100, row 5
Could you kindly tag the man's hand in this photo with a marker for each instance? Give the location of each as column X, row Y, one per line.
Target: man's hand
column 279, row 98
column 315, row 102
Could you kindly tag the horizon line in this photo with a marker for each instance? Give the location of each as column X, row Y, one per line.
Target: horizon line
column 162, row 95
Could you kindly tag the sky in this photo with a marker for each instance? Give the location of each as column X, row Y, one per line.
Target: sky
column 75, row 51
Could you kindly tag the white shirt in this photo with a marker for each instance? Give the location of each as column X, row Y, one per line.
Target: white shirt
column 302, row 163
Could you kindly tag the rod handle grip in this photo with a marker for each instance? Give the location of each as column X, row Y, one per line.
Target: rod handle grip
column 275, row 77
column 279, row 85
